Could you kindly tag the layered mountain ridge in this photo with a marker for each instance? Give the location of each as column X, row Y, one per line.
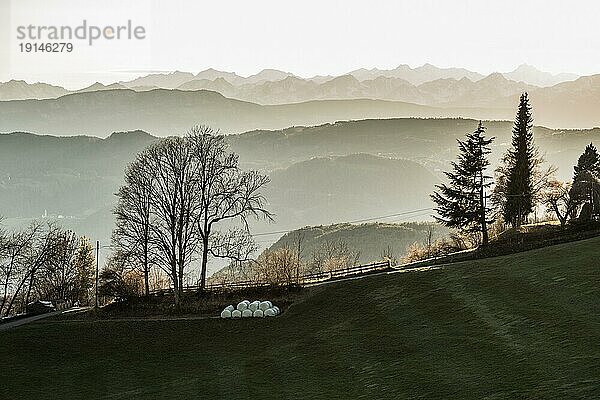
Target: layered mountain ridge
column 271, row 86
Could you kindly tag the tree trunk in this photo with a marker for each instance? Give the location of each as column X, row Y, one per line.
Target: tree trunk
column 484, row 232
column 31, row 280
column 15, row 294
column 8, row 274
column 561, row 217
column 146, row 272
column 4, row 296
column 204, row 262
column 181, row 281
column 175, row 285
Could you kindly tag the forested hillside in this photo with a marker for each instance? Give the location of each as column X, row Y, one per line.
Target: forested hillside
column 372, row 241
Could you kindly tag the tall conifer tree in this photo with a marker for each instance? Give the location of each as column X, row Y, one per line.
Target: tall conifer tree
column 521, row 162
column 461, row 203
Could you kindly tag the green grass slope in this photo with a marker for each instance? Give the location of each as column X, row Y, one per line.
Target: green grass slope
column 520, row 326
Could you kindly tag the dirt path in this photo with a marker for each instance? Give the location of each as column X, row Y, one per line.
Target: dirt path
column 22, row 321
column 149, row 318
column 26, row 320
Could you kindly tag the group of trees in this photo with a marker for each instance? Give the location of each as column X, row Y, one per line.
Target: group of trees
column 285, row 266
column 521, row 183
column 186, row 199
column 44, row 262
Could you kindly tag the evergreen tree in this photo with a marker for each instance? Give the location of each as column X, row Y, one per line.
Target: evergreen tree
column 586, row 180
column 517, row 183
column 461, row 203
column 588, row 161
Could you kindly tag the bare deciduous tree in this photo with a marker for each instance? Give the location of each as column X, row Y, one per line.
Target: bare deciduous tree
column 37, row 262
column 119, row 280
column 133, row 218
column 333, row 255
column 187, row 197
column 557, row 197
column 227, row 194
column 235, row 244
column 22, row 256
column 68, row 274
column 175, row 207
column 13, row 270
column 279, row 267
column 388, row 254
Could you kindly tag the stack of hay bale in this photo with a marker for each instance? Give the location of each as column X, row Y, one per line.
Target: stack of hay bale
column 247, row 309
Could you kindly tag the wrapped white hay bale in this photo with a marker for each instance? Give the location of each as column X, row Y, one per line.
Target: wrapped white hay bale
column 264, row 305
column 226, row 313
column 270, row 312
column 254, row 305
column 247, row 313
column 236, row 314
column 270, row 304
column 229, row 308
column 242, row 305
column 258, row 314
column 277, row 310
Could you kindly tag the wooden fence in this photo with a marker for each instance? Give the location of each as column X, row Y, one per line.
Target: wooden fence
column 347, row 272
column 302, row 280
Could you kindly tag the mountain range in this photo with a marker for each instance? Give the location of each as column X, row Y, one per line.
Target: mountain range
column 272, row 86
column 429, row 142
column 444, row 92
column 165, row 104
column 165, row 112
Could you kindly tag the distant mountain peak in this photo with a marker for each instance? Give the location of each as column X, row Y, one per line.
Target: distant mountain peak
column 347, row 77
column 272, row 70
column 268, row 74
column 495, row 77
column 125, row 135
column 533, row 76
column 403, row 67
column 526, row 67
column 162, row 80
column 416, row 76
column 16, row 89
column 97, row 86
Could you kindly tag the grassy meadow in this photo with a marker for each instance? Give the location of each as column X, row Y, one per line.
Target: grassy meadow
column 520, row 326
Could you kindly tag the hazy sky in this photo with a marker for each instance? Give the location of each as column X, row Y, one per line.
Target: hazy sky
column 304, row 37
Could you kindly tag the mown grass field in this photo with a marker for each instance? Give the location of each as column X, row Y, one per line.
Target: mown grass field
column 525, row 326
